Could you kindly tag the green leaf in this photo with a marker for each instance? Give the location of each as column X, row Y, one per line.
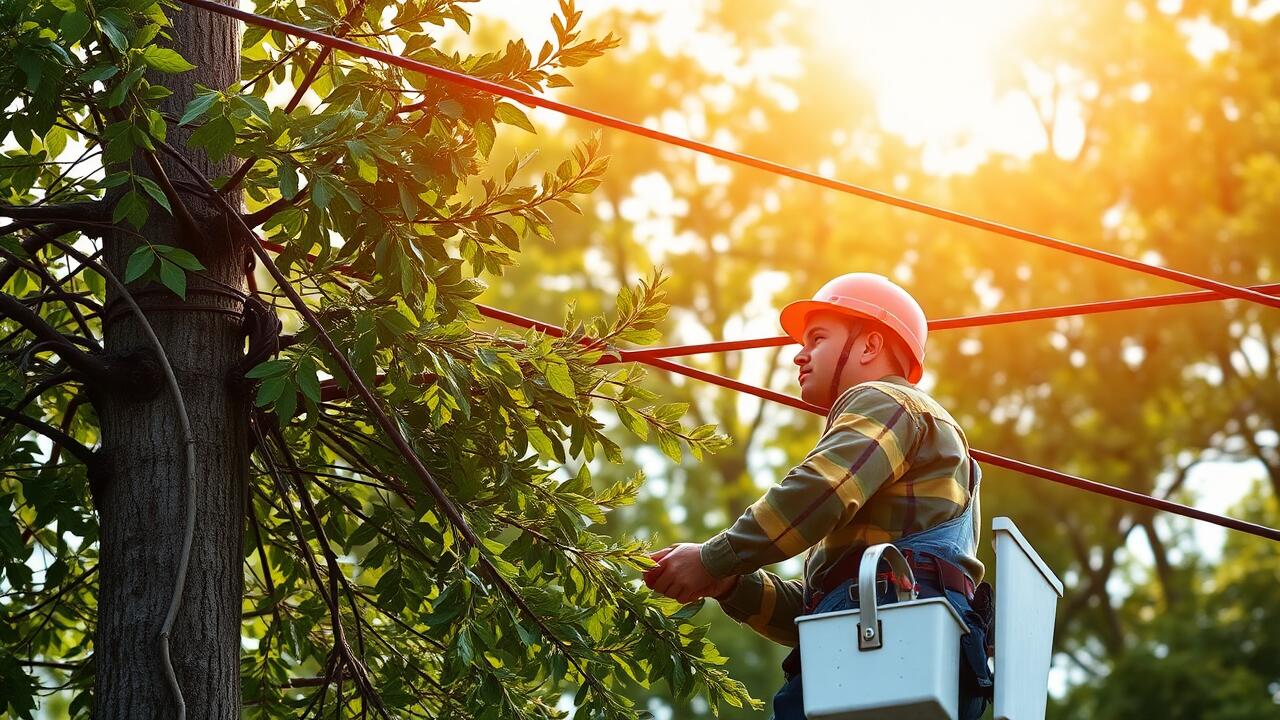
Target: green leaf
column 198, row 106
column 118, row 93
column 130, row 207
column 632, row 421
column 217, row 137
column 308, row 382
column 32, row 66
column 180, row 257
column 366, row 167
column 114, row 35
column 408, row 201
column 145, row 34
column 557, row 374
column 286, row 406
column 270, row 390
column 450, row 108
column 155, row 192
column 73, row 26
column 321, row 191
column 512, row 115
column 140, row 261
column 173, row 278
column 287, row 178
column 270, row 368
column 255, row 105
column 99, row 73
column 669, row 445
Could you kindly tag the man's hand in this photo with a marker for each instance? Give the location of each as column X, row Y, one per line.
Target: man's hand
column 681, row 576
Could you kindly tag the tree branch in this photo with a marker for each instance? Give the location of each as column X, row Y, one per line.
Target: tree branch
column 73, row 446
column 384, row 423
column 91, row 367
column 256, row 218
column 36, row 392
column 96, row 211
column 32, row 244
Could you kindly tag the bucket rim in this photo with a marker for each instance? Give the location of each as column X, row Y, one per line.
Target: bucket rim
column 884, row 610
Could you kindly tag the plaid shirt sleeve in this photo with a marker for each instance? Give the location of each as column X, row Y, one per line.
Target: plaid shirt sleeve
column 868, row 438
column 767, row 604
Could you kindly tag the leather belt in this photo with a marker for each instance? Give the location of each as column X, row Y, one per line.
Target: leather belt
column 926, row 567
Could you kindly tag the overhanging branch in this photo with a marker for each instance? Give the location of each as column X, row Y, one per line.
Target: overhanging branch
column 70, row 444
column 92, row 368
column 68, row 212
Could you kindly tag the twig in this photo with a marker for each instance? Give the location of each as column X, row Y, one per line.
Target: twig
column 343, row 26
column 96, row 211
column 73, row 446
column 91, row 367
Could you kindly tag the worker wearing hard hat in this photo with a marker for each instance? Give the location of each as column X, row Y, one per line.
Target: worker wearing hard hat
column 891, row 466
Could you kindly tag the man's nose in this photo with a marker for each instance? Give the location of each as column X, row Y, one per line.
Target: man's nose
column 801, row 357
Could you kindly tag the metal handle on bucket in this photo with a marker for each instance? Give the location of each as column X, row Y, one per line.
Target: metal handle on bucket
column 870, row 633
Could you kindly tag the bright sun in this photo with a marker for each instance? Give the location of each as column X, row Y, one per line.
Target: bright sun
column 932, row 64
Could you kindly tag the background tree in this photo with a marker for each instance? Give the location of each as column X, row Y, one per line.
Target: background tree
column 1171, row 160
column 371, row 509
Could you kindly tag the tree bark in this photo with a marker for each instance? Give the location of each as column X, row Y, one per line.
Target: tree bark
column 142, row 509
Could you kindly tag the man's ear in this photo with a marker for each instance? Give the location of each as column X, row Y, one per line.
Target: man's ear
column 874, row 346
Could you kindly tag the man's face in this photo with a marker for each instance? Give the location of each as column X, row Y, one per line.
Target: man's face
column 825, row 336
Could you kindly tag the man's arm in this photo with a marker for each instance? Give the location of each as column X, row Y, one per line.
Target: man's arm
column 767, row 604
column 864, row 447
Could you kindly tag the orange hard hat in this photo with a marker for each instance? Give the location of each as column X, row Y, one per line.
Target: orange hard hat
column 868, row 296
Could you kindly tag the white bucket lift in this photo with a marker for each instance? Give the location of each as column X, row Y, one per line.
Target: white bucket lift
column 900, row 661
column 1027, row 595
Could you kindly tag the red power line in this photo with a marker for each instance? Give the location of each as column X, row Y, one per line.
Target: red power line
column 1000, row 318
column 533, row 100
column 1216, row 288
column 980, row 455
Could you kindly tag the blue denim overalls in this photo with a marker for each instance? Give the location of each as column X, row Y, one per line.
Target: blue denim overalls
column 950, row 541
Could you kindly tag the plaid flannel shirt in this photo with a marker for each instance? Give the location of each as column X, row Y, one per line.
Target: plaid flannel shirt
column 891, row 462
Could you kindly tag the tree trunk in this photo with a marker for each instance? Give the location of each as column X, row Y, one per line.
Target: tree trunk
column 142, row 504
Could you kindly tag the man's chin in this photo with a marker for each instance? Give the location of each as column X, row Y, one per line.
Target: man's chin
column 813, row 397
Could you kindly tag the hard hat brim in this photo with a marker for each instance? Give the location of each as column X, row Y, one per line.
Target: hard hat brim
column 795, row 315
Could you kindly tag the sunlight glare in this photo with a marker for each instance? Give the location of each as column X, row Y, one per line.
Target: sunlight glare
column 932, row 65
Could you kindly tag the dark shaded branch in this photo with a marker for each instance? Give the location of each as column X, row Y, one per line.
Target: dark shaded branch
column 68, row 416
column 185, row 220
column 342, row 649
column 92, row 368
column 70, row 212
column 73, row 446
column 72, row 301
column 256, row 218
column 31, row 244
column 52, row 665
column 335, row 572
column 1164, row 569
column 36, row 392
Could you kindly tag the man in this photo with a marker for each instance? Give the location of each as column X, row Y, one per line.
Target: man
column 891, row 466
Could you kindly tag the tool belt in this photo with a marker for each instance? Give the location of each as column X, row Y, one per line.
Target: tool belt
column 928, row 569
